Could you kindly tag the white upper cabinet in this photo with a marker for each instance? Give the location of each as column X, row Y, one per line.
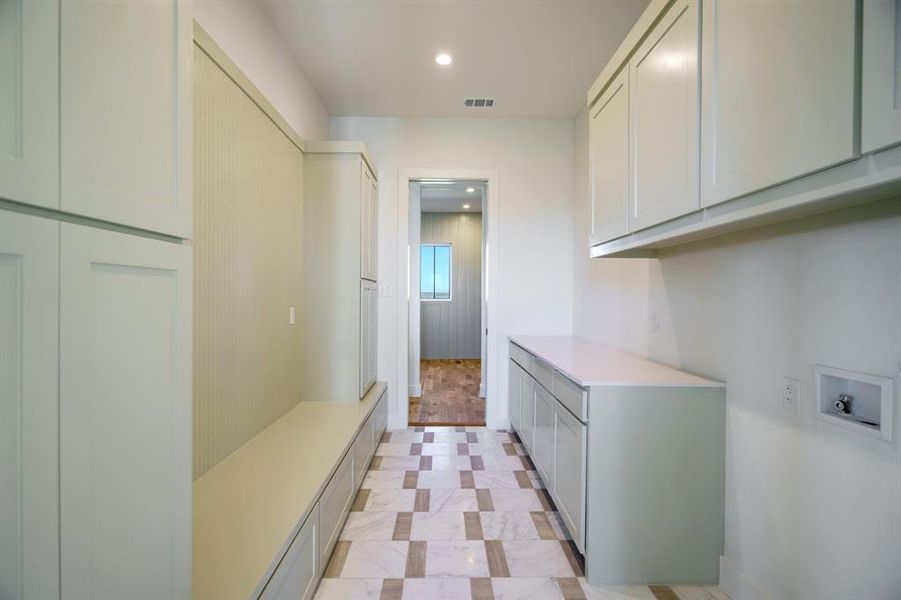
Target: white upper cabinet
column 125, row 416
column 29, row 102
column 777, row 97
column 125, row 112
column 664, row 119
column 29, row 407
column 369, row 198
column 881, row 76
column 609, row 161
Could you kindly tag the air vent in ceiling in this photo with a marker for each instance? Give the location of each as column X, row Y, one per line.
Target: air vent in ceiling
column 479, row 102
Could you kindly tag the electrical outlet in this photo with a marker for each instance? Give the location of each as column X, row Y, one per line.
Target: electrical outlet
column 655, row 323
column 791, row 395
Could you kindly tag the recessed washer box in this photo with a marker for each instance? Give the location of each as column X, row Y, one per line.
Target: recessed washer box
column 857, row 401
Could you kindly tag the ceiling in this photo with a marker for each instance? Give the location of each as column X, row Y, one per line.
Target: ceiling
column 537, row 58
column 449, row 197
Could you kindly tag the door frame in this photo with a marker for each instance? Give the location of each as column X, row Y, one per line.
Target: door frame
column 491, row 213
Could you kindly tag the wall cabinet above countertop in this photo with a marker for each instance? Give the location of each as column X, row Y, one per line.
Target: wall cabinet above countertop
column 724, row 132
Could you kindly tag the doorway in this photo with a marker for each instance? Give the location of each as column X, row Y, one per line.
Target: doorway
column 448, row 307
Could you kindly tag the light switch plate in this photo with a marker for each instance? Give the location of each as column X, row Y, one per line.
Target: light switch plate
column 292, row 316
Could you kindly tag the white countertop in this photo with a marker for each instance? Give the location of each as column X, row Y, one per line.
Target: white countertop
column 590, row 364
column 248, row 507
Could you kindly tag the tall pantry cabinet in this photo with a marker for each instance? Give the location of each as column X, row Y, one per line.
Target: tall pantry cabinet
column 95, row 299
column 340, row 266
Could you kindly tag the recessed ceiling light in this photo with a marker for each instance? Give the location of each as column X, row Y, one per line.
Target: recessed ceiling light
column 444, row 59
column 470, row 190
column 465, row 207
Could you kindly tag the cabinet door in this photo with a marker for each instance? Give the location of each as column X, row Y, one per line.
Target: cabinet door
column 368, row 335
column 373, row 229
column 381, row 419
column 663, row 83
column 125, row 112
column 125, row 415
column 296, row 575
column 363, row 449
column 569, row 473
column 543, row 454
column 513, row 394
column 527, row 412
column 365, row 223
column 334, row 504
column 29, row 102
column 373, row 333
column 779, row 104
column 609, row 150
column 29, row 468
column 881, row 76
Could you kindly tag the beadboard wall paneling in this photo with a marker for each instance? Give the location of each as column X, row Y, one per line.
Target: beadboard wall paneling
column 248, row 222
column 451, row 329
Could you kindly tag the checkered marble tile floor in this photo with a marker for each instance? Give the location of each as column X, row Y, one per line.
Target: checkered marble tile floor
column 458, row 513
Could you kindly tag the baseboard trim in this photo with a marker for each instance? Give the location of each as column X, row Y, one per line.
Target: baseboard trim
column 737, row 584
column 482, row 390
column 414, row 391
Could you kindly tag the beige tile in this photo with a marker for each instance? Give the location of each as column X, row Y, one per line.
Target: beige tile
column 497, row 559
column 402, row 525
column 480, row 588
column 416, row 560
column 473, row 524
column 392, row 589
column 336, row 562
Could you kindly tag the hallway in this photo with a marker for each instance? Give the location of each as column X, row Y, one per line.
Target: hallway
column 459, row 512
column 450, row 394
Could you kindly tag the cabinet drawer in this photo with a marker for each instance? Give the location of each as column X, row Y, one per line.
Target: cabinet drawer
column 334, row 505
column 523, row 358
column 296, row 575
column 543, row 373
column 572, row 396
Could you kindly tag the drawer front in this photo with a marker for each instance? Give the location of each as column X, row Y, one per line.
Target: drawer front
column 523, row 358
column 296, row 575
column 569, row 473
column 543, row 373
column 572, row 396
column 334, row 504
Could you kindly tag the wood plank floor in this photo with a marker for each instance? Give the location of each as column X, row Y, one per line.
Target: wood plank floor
column 450, row 394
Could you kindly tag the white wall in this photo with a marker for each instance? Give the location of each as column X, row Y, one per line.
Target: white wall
column 812, row 511
column 244, row 31
column 533, row 158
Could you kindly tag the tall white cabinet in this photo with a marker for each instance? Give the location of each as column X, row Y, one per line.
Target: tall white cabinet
column 95, row 324
column 881, row 75
column 339, row 315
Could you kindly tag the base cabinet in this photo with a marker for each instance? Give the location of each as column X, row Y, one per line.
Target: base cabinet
column 296, row 576
column 570, row 436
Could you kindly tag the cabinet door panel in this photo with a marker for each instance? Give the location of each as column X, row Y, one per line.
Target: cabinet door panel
column 373, row 333
column 374, row 229
column 543, row 454
column 569, row 473
column 334, row 504
column 381, row 419
column 125, row 416
column 664, row 119
column 609, row 150
column 363, row 449
column 881, row 76
column 29, row 102
column 513, row 394
column 527, row 412
column 29, row 468
column 125, row 112
column 296, row 575
column 778, row 106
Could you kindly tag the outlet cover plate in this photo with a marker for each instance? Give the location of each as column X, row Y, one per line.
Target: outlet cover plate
column 791, row 395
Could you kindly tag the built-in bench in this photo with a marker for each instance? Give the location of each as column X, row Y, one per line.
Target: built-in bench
column 266, row 518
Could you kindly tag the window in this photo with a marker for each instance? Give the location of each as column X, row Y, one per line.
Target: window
column 435, row 272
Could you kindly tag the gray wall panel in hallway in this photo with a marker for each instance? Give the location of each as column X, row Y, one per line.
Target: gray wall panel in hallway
column 451, row 329
column 248, row 222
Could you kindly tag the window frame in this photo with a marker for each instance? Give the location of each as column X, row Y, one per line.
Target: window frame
column 450, row 271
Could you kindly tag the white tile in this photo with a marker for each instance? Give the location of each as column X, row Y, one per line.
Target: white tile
column 392, row 449
column 502, row 462
column 438, row 479
column 438, row 526
column 451, row 463
column 405, row 463
column 447, row 500
column 488, row 449
column 508, row 526
column 440, row 429
column 537, row 558
column 526, row 588
column 405, row 436
column 447, row 437
column 349, row 589
column 439, row 449
column 495, row 479
column 384, row 480
column 616, row 592
column 390, row 500
column 437, row 588
column 515, row 500
column 368, row 525
column 456, row 559
column 375, row 559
